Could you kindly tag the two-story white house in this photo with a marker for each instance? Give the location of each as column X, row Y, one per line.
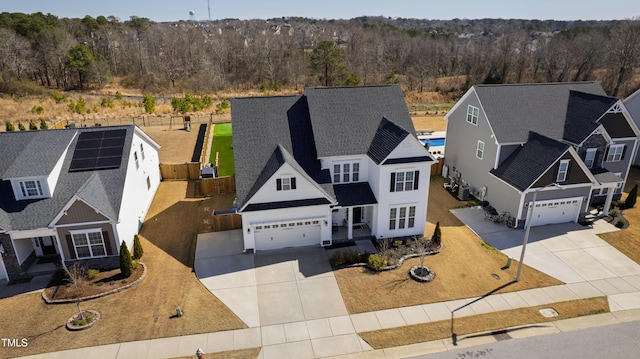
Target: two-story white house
column 334, row 163
column 73, row 194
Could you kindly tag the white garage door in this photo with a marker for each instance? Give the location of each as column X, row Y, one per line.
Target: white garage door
column 556, row 211
column 289, row 234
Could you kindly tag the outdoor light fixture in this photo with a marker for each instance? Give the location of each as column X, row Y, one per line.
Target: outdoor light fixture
column 529, row 218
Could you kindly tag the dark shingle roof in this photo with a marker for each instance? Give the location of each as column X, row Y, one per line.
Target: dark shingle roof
column 286, row 204
column 101, row 189
column 322, row 122
column 526, row 164
column 514, row 110
column 387, row 138
column 583, row 111
column 354, row 194
column 346, row 119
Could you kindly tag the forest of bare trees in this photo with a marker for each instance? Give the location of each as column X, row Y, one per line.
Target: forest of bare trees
column 238, row 55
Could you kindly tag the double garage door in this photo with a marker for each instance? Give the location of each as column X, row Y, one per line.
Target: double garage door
column 289, row 234
column 556, row 211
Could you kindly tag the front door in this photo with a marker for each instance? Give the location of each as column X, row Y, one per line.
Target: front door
column 357, row 215
column 46, row 243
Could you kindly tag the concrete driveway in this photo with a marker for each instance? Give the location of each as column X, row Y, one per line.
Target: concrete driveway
column 269, row 287
column 569, row 252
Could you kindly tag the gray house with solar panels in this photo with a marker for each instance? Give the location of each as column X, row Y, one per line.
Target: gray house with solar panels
column 73, row 194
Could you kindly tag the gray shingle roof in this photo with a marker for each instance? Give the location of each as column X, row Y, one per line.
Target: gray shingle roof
column 322, row 122
column 101, row 189
column 514, row 110
column 526, row 164
column 603, row 175
column 345, row 119
column 19, row 148
column 583, row 110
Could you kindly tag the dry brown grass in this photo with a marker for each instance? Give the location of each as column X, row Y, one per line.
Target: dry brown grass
column 142, row 312
column 418, row 333
column 250, row 353
column 627, row 240
column 464, row 269
column 429, row 122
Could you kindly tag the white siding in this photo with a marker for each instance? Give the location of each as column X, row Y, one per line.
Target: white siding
column 321, row 213
column 52, row 180
column 136, row 197
column 23, row 248
column 304, row 188
column 363, row 160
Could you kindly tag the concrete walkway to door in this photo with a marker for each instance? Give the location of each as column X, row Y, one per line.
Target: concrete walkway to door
column 569, row 252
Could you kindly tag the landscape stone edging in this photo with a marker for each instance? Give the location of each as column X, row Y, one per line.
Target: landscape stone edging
column 113, row 291
column 74, row 328
column 398, row 265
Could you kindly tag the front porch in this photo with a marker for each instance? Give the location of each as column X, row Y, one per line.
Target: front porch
column 358, row 231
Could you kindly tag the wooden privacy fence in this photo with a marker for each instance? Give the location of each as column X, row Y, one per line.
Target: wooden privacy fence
column 227, row 222
column 220, row 185
column 436, row 168
column 182, row 171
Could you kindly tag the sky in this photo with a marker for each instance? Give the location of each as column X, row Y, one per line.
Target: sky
column 174, row 10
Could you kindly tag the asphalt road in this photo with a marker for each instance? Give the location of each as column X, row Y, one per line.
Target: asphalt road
column 611, row 342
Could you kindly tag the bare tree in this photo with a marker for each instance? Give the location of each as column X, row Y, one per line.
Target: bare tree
column 624, row 51
column 77, row 277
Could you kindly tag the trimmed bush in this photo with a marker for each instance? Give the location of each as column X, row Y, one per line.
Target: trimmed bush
column 337, row 258
column 397, row 243
column 630, row 202
column 437, row 235
column 126, row 263
column 92, row 273
column 620, row 223
column 8, row 125
column 32, row 125
column 377, row 262
column 21, row 126
column 43, row 124
column 137, row 248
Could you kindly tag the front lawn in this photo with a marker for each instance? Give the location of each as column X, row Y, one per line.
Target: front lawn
column 222, row 146
column 464, row 269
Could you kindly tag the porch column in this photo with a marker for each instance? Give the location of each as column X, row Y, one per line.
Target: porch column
column 62, row 259
column 607, row 202
column 349, row 222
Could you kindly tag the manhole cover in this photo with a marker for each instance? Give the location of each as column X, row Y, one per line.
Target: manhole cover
column 548, row 312
column 495, row 276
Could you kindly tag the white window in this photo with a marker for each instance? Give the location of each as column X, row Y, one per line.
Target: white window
column 135, row 157
column 590, row 157
column 31, row 189
column 142, row 151
column 402, row 217
column 615, row 153
column 286, row 184
column 346, row 172
column 562, row 171
column 404, row 181
column 472, row 114
column 88, row 243
column 480, row 149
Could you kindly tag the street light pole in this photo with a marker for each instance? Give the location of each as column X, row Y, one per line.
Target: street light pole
column 528, row 229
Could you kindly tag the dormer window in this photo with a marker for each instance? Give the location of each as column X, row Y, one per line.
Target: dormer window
column 30, row 189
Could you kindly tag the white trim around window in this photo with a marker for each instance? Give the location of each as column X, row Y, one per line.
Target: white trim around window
column 346, row 172
column 563, row 168
column 615, row 153
column 402, row 217
column 472, row 114
column 29, row 188
column 590, row 157
column 480, row 150
column 88, row 243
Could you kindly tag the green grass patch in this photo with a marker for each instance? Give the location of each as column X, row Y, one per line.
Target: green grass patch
column 222, row 145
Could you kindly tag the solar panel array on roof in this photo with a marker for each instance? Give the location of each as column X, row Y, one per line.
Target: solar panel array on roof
column 98, row 150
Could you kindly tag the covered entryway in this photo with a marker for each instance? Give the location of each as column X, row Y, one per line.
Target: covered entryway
column 45, row 246
column 287, row 234
column 556, row 211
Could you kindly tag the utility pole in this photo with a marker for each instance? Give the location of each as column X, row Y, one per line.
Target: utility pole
column 209, row 9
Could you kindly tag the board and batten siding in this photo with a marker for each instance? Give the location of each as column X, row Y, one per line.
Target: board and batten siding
column 80, row 212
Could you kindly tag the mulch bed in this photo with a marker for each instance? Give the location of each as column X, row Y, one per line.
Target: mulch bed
column 106, row 281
